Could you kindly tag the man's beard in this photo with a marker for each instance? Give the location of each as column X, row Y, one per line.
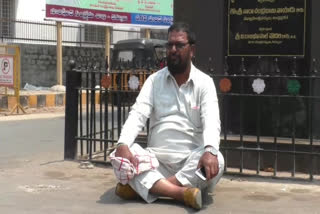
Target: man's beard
column 176, row 66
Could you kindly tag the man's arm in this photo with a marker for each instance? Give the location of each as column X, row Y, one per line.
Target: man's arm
column 210, row 119
column 137, row 118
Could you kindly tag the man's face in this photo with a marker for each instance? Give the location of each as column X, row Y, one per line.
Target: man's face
column 179, row 52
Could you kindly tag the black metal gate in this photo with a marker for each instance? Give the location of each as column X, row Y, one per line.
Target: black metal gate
column 269, row 121
column 270, row 114
column 97, row 104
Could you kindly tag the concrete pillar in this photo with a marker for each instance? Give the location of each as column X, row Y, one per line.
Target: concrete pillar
column 147, row 33
column 108, row 44
column 59, row 53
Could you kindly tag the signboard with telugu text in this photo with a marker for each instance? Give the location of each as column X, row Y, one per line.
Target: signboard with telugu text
column 6, row 71
column 266, row 27
column 143, row 13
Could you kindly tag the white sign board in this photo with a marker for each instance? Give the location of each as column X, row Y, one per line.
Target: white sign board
column 6, row 71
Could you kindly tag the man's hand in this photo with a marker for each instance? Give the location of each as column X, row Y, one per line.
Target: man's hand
column 210, row 164
column 124, row 152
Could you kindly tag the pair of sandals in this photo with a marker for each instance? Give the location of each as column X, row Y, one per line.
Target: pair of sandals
column 191, row 196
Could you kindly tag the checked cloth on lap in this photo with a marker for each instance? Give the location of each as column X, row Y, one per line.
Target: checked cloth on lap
column 124, row 169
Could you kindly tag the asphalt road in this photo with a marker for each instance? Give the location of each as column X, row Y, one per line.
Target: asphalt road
column 26, row 138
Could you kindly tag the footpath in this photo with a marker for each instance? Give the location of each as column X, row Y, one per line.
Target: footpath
column 33, row 113
column 34, row 98
column 48, row 184
column 45, row 183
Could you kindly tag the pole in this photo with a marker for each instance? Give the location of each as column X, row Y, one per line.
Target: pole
column 108, row 44
column 59, row 53
column 148, row 32
column 73, row 82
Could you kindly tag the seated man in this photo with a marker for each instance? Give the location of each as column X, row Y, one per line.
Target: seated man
column 182, row 105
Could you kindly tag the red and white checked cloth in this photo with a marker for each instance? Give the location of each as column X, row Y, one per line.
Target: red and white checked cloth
column 124, row 169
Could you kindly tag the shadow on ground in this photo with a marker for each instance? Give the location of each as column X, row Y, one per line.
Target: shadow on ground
column 109, row 197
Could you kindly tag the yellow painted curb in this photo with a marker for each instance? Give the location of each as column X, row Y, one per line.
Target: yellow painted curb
column 50, row 100
column 12, row 102
column 32, row 101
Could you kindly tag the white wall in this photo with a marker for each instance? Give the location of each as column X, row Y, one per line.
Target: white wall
column 121, row 35
column 32, row 10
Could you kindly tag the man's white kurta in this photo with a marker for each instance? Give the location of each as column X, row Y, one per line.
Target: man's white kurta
column 181, row 118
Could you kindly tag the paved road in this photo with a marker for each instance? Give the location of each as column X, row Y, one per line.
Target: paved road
column 35, row 179
column 26, row 138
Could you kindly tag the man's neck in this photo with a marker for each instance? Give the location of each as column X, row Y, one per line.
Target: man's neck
column 181, row 78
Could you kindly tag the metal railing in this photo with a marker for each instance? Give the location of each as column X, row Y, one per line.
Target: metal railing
column 38, row 32
column 258, row 137
column 96, row 126
column 268, row 120
column 44, row 32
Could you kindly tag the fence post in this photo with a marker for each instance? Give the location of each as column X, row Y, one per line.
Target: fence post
column 73, row 80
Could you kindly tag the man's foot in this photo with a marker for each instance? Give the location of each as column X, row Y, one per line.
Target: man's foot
column 192, row 198
column 126, row 192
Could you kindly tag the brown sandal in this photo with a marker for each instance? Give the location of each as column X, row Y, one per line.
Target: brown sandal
column 126, row 192
column 192, row 198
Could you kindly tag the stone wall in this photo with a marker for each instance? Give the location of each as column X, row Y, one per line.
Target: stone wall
column 38, row 62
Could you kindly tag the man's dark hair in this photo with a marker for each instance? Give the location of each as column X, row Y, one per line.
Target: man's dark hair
column 184, row 27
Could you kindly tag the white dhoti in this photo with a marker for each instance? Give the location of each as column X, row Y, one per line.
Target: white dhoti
column 184, row 171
